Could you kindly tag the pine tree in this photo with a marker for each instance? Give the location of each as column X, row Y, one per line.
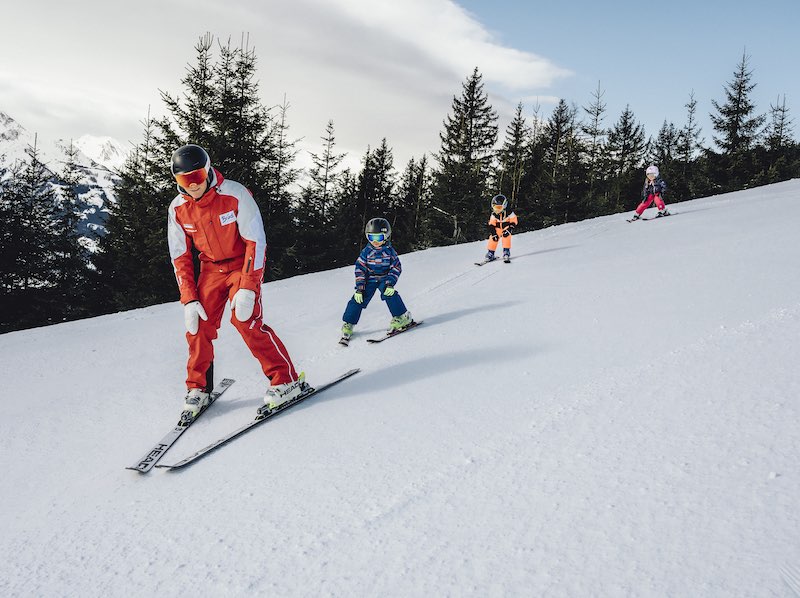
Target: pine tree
column 320, row 225
column 689, row 146
column 133, row 258
column 783, row 158
column 596, row 197
column 664, row 151
column 778, row 135
column 561, row 162
column 511, row 157
column 195, row 117
column 280, row 177
column 410, row 209
column 626, row 145
column 738, row 129
column 71, row 255
column 735, row 121
column 533, row 200
column 460, row 186
column 28, row 206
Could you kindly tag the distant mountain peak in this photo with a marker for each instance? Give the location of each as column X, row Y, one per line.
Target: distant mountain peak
column 104, row 150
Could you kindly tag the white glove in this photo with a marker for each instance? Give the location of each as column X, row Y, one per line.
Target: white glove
column 192, row 312
column 243, row 303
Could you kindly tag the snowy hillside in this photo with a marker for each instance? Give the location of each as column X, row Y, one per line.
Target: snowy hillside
column 615, row 413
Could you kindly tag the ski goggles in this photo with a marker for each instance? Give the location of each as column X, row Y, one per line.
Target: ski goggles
column 498, row 208
column 196, row 177
column 376, row 237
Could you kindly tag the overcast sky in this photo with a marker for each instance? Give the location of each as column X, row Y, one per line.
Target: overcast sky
column 390, row 68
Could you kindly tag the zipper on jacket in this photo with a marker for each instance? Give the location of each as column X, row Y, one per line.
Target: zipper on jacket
column 249, row 261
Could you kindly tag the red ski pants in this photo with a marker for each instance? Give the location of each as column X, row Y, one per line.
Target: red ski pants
column 646, row 203
column 215, row 289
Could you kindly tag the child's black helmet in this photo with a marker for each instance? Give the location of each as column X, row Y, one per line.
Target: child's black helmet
column 378, row 229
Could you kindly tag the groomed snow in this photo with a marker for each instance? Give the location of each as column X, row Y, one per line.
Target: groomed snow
column 615, row 413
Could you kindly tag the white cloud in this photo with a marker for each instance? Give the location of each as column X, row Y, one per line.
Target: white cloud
column 377, row 68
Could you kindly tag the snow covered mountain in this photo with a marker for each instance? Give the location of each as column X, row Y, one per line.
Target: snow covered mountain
column 614, row 413
column 106, row 151
column 96, row 188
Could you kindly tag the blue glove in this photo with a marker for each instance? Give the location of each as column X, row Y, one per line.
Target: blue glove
column 389, row 291
column 359, row 297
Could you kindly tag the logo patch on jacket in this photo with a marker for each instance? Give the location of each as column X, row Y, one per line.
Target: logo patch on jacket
column 227, row 218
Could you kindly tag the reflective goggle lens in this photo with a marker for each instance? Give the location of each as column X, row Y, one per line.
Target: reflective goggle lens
column 497, row 207
column 376, row 237
column 198, row 177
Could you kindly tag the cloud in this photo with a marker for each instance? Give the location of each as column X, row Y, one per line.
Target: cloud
column 377, row 68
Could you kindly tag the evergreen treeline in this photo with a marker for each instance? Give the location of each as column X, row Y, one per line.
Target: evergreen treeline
column 572, row 165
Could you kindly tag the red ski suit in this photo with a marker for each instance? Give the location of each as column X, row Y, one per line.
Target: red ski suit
column 225, row 227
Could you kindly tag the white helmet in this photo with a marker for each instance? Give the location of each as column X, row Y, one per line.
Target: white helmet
column 652, row 169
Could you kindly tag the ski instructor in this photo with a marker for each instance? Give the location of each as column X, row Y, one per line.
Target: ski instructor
column 220, row 219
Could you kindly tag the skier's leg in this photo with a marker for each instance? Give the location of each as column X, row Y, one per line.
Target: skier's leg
column 213, row 292
column 263, row 342
column 352, row 313
column 645, row 204
column 507, row 246
column 394, row 303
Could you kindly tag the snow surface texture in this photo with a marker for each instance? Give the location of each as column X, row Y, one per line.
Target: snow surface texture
column 615, row 413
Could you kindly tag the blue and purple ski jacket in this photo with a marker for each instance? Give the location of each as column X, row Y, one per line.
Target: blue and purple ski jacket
column 378, row 263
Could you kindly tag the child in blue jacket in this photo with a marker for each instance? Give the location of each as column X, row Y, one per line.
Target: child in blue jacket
column 377, row 269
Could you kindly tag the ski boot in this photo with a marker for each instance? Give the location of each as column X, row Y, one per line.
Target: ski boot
column 196, row 399
column 507, row 256
column 634, row 217
column 662, row 213
column 347, row 332
column 281, row 393
column 399, row 322
column 489, row 256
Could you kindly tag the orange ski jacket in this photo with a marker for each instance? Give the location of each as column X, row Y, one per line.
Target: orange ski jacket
column 498, row 224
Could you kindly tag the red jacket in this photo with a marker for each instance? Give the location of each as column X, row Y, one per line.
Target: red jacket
column 225, row 226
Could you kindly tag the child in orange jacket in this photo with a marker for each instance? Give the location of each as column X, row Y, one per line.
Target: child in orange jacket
column 500, row 227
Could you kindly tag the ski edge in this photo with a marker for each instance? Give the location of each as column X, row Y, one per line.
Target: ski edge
column 253, row 423
column 149, row 460
column 413, row 324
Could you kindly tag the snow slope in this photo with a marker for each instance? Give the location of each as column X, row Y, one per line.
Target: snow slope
column 615, row 413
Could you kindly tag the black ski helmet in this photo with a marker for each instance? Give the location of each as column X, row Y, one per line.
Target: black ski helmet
column 500, row 200
column 378, row 226
column 189, row 158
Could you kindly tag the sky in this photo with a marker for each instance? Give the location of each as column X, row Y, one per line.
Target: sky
column 614, row 413
column 382, row 69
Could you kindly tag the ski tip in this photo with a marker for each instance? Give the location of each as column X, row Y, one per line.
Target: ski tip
column 168, row 466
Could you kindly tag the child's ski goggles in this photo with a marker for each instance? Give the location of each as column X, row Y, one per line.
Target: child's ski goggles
column 376, row 237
